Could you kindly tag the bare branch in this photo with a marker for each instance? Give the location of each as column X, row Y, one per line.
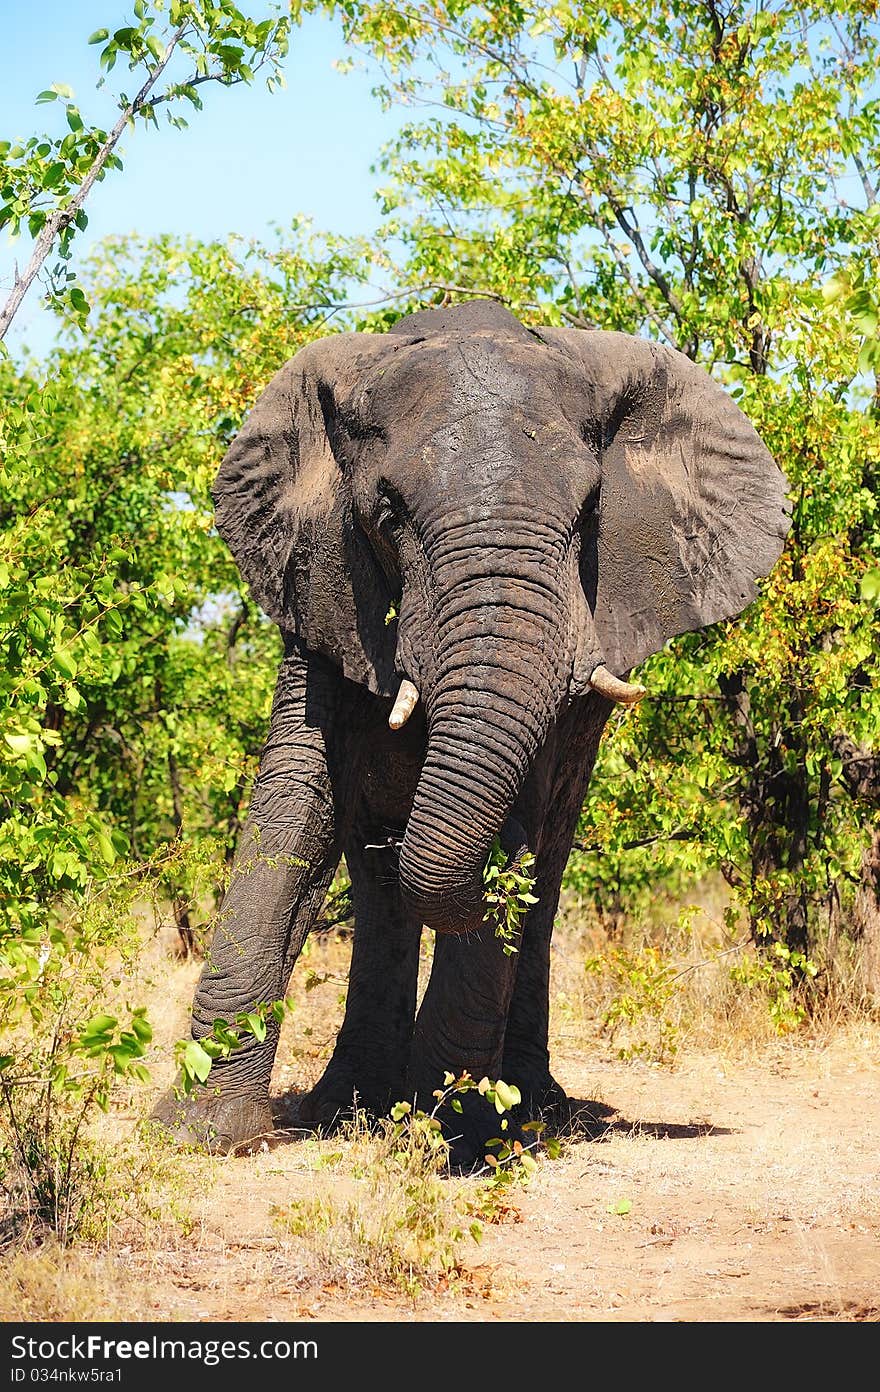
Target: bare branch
column 62, row 217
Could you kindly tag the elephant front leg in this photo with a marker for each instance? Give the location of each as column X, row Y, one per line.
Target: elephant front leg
column 279, row 879
column 460, row 1029
column 369, row 1062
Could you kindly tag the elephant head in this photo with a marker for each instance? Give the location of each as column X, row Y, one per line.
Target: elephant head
column 493, row 519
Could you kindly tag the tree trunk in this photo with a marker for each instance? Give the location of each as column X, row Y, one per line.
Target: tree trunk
column 861, row 776
column 866, row 919
column 776, row 802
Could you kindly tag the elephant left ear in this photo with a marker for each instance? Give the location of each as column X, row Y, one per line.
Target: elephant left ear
column 693, row 510
column 284, row 507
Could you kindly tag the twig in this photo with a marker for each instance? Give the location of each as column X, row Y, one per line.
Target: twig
column 62, row 217
column 680, row 834
column 737, row 947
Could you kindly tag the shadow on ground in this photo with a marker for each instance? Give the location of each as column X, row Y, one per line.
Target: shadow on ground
column 578, row 1119
column 596, row 1121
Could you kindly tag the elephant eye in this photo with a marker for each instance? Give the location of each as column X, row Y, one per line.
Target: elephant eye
column 388, row 511
column 591, row 502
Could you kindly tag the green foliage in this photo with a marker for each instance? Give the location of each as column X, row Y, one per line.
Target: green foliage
column 196, row 1056
column 172, row 50
column 63, row 1054
column 705, row 177
column 507, row 894
column 124, row 631
column 642, row 985
column 784, row 977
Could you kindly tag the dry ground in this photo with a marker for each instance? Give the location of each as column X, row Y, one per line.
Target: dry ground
column 741, row 1182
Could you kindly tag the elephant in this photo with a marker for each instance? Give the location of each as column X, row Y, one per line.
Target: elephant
column 469, row 531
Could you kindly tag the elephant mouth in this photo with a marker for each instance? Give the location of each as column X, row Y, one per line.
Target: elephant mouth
column 601, row 680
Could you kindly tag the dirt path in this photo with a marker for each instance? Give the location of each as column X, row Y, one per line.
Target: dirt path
column 714, row 1192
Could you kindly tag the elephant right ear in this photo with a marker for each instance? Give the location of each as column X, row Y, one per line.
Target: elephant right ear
column 283, row 506
column 692, row 510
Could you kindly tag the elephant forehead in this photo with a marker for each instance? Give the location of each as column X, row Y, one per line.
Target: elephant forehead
column 448, row 377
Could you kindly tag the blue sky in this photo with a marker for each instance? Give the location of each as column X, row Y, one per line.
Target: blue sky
column 249, row 159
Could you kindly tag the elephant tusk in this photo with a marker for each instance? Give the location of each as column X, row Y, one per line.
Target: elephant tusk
column 407, row 700
column 616, row 690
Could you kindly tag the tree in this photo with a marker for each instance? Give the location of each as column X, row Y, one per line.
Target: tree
column 136, row 676
column 702, row 173
column 173, row 50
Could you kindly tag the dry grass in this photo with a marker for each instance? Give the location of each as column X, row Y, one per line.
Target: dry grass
column 688, row 982
column 50, row 1283
column 382, row 1209
column 175, row 1235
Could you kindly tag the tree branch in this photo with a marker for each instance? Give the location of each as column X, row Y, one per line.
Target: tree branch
column 680, row 834
column 62, row 217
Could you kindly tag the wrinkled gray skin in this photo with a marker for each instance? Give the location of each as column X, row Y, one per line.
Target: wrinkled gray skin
column 533, row 502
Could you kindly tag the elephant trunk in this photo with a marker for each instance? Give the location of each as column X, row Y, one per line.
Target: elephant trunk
column 506, row 651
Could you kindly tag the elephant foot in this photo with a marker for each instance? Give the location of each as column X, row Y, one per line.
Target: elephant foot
column 476, row 1132
column 543, row 1099
column 340, row 1093
column 325, row 1109
column 211, row 1121
column 474, row 1135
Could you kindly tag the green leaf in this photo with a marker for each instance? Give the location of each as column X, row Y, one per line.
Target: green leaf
column 506, row 1096
column 870, row 586
column 98, row 1027
column 99, row 36
column 255, row 1024
column 196, row 1062
column 106, row 847
column 65, row 663
column 869, row 355
column 863, row 310
column 20, row 744
column 53, row 175
column 46, row 96
column 141, row 1027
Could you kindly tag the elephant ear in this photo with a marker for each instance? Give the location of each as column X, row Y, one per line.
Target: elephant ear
column 283, row 506
column 693, row 509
